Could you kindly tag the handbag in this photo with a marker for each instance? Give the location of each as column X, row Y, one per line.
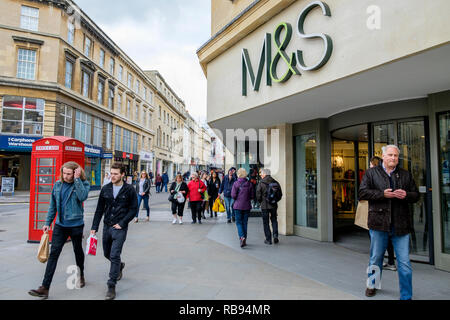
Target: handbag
column 362, row 214
column 180, row 197
column 43, row 251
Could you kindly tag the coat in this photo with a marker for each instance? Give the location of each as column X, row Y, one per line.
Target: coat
column 74, row 205
column 384, row 211
column 193, row 187
column 120, row 210
column 213, row 188
column 261, row 193
column 183, row 187
column 227, row 186
column 147, row 185
column 242, row 193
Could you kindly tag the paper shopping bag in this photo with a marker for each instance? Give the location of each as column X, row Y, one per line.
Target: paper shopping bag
column 43, row 251
column 91, row 245
column 362, row 214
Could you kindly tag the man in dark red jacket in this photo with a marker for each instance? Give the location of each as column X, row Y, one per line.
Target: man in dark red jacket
column 196, row 189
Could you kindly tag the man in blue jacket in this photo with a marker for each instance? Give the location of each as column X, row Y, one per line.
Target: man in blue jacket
column 67, row 198
column 165, row 180
column 225, row 190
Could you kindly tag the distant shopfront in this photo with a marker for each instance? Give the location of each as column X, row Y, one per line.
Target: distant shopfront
column 129, row 160
column 93, row 165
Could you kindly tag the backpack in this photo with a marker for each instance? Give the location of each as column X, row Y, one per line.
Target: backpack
column 273, row 194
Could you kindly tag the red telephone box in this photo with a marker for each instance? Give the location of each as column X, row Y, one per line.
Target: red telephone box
column 47, row 157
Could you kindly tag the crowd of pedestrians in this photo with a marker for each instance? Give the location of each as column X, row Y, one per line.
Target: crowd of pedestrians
column 386, row 189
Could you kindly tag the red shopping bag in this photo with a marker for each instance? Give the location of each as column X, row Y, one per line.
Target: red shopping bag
column 91, row 245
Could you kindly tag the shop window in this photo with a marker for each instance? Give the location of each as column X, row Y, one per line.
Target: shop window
column 444, row 165
column 306, row 180
column 26, row 64
column 22, row 115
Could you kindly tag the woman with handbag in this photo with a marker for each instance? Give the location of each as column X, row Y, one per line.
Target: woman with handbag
column 196, row 194
column 178, row 195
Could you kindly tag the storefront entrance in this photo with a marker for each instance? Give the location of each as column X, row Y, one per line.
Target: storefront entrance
column 352, row 149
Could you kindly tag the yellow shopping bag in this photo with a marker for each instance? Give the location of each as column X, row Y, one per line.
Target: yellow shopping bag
column 216, row 204
column 221, row 206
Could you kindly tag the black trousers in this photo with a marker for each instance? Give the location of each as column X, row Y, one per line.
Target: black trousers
column 113, row 240
column 196, row 209
column 270, row 215
column 178, row 208
column 212, row 199
column 59, row 238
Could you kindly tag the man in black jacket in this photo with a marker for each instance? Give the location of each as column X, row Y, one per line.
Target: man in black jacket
column 390, row 190
column 269, row 211
column 118, row 204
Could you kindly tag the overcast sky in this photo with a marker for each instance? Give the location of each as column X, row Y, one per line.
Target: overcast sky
column 162, row 35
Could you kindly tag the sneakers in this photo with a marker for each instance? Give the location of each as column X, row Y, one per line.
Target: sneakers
column 267, row 242
column 390, row 267
column 122, row 265
column 174, row 221
column 180, row 221
column 111, row 294
column 193, row 222
column 275, row 240
column 242, row 241
column 41, row 292
column 199, row 222
column 371, row 292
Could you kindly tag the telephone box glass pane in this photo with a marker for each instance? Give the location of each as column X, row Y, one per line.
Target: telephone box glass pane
column 43, row 207
column 46, row 189
column 45, row 171
column 44, row 197
column 46, row 162
column 45, row 179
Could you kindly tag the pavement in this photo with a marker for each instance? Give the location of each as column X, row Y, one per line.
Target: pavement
column 201, row 262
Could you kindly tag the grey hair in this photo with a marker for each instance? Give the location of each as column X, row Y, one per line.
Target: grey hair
column 194, row 175
column 266, row 171
column 385, row 148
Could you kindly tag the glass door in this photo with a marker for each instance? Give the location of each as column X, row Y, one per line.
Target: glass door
column 409, row 136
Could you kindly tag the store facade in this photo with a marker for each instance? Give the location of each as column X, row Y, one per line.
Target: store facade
column 326, row 84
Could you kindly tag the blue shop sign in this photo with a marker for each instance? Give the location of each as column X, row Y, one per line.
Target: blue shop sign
column 107, row 155
column 17, row 143
column 92, row 151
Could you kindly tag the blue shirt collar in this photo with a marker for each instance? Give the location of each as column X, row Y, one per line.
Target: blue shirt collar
column 384, row 168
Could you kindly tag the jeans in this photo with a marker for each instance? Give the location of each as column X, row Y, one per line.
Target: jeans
column 164, row 186
column 242, row 222
column 196, row 209
column 113, row 240
column 229, row 207
column 59, row 238
column 378, row 244
column 270, row 215
column 145, row 198
column 158, row 188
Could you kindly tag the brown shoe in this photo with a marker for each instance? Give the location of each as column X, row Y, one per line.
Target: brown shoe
column 41, row 292
column 82, row 282
column 371, row 292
